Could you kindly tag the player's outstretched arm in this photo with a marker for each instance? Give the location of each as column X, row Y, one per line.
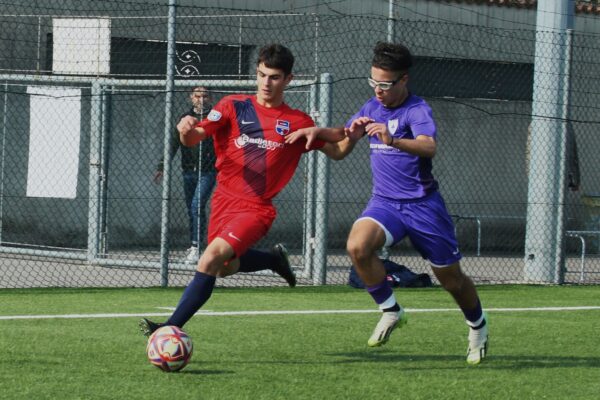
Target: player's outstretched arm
column 310, row 134
column 338, row 150
column 189, row 133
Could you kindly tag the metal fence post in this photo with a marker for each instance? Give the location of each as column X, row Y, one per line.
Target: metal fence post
column 2, row 153
column 309, row 194
column 391, row 21
column 166, row 194
column 94, row 173
column 104, row 167
column 322, row 188
column 544, row 240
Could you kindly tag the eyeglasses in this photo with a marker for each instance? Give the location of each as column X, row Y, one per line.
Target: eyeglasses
column 383, row 85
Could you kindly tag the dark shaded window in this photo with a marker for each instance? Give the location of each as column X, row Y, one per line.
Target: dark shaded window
column 464, row 78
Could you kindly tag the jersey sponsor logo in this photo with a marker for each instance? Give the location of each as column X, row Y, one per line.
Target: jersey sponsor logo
column 214, row 115
column 392, row 125
column 247, row 122
column 282, row 127
column 382, row 148
column 244, row 140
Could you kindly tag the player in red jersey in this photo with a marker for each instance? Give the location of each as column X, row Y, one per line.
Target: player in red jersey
column 254, row 164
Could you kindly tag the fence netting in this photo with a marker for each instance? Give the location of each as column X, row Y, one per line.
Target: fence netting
column 86, row 121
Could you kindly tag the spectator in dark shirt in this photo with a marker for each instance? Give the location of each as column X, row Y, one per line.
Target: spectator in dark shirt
column 196, row 186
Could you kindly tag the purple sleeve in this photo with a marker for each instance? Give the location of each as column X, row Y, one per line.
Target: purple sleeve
column 359, row 114
column 421, row 121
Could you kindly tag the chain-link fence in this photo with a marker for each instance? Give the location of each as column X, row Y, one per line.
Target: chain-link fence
column 88, row 113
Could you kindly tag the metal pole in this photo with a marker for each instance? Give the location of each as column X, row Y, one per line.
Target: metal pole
column 169, row 85
column 544, row 239
column 3, row 147
column 241, row 31
column 322, row 188
column 199, row 209
column 316, row 61
column 390, row 28
column 104, row 167
column 39, row 43
column 94, row 173
column 562, row 160
column 309, row 194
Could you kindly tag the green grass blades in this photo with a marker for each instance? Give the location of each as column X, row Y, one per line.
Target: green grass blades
column 532, row 354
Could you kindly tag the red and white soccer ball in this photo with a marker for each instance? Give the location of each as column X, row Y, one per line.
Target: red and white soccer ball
column 169, row 348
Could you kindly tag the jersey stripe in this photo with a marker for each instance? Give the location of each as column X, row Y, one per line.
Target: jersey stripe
column 255, row 157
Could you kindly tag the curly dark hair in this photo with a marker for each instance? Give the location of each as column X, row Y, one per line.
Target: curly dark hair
column 391, row 57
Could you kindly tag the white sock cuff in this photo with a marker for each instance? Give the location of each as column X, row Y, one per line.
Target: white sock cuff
column 388, row 303
column 476, row 323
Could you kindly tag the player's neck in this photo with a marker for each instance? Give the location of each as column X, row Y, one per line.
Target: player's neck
column 401, row 98
column 269, row 103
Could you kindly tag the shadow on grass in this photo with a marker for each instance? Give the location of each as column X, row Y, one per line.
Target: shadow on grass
column 414, row 361
column 204, row 372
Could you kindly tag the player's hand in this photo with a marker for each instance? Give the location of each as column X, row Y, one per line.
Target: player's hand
column 186, row 124
column 310, row 134
column 357, row 128
column 379, row 130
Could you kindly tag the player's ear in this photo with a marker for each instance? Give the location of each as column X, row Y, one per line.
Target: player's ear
column 289, row 78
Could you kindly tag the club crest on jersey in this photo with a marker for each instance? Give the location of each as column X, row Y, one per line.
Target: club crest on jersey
column 282, row 127
column 392, row 125
column 214, row 115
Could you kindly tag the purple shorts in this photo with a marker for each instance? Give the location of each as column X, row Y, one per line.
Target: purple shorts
column 425, row 221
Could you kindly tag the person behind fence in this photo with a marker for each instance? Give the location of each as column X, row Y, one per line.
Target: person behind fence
column 196, row 190
column 405, row 198
column 254, row 164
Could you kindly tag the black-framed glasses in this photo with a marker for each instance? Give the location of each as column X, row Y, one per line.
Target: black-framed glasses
column 385, row 85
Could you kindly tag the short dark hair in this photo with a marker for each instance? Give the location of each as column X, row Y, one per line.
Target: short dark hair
column 391, row 57
column 276, row 56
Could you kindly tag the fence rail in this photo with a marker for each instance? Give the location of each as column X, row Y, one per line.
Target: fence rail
column 86, row 102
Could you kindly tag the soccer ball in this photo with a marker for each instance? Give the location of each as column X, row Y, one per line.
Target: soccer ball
column 169, row 348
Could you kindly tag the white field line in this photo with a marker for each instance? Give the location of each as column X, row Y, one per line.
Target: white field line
column 297, row 312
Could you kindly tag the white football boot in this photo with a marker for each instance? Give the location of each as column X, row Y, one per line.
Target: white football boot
column 389, row 321
column 478, row 344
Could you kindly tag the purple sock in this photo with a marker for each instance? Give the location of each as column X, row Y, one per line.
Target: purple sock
column 194, row 296
column 381, row 292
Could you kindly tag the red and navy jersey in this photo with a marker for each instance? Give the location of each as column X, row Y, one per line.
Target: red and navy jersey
column 253, row 160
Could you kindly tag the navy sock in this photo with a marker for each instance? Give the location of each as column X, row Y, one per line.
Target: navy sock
column 256, row 260
column 474, row 317
column 194, row 296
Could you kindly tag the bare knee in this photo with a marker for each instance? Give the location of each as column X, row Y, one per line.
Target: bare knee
column 213, row 263
column 359, row 252
column 453, row 284
column 226, row 270
column 451, row 278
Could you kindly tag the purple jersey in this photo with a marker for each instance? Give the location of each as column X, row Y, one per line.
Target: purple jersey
column 398, row 175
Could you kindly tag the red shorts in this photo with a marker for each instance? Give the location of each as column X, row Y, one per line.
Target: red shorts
column 240, row 223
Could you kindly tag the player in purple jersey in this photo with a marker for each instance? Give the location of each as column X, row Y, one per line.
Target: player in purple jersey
column 405, row 200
